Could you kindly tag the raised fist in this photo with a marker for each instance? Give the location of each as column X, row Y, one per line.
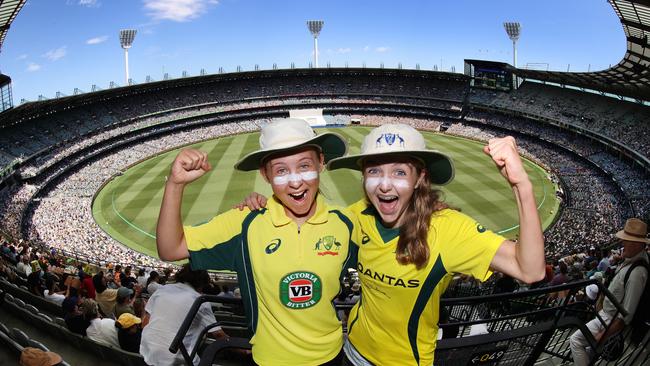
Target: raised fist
column 503, row 152
column 189, row 165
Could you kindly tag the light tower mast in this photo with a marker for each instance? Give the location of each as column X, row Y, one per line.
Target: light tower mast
column 126, row 40
column 514, row 30
column 315, row 27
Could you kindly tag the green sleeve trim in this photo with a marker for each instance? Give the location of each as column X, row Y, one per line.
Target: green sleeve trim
column 220, row 256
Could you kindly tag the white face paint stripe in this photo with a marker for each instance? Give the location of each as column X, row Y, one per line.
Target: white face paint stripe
column 304, row 176
column 372, row 183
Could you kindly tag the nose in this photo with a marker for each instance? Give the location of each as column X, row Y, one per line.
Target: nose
column 295, row 180
column 385, row 184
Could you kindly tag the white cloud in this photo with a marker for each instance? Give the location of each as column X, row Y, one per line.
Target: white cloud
column 31, row 67
column 177, row 10
column 366, row 49
column 97, row 40
column 344, row 50
column 382, row 49
column 56, row 54
column 89, row 3
column 22, row 57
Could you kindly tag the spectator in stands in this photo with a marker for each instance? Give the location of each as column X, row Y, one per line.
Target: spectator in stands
column 290, row 159
column 141, row 279
column 118, row 275
column 100, row 330
column 126, row 280
column 23, row 266
column 51, row 295
column 129, row 332
column 603, row 265
column 561, row 277
column 124, row 301
column 87, row 285
column 152, row 282
column 73, row 316
column 165, row 312
column 34, row 281
column 31, row 356
column 106, row 297
column 634, row 240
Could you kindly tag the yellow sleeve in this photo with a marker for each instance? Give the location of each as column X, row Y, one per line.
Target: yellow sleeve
column 212, row 245
column 466, row 246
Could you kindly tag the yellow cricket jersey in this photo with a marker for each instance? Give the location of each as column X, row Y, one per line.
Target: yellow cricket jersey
column 288, row 277
column 396, row 320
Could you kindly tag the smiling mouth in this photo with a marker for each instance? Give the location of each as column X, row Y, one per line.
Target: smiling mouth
column 387, row 204
column 299, row 196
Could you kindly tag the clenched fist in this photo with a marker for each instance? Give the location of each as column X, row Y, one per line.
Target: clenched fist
column 503, row 152
column 189, row 165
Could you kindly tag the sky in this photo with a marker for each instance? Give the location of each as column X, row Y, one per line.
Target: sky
column 59, row 45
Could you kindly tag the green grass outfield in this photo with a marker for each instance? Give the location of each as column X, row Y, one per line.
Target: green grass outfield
column 127, row 206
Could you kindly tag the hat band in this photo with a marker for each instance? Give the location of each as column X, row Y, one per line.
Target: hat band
column 635, row 235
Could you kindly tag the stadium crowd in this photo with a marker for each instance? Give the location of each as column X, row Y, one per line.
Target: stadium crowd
column 618, row 120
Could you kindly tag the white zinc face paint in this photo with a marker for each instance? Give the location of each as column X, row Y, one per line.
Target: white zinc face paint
column 371, row 183
column 303, row 176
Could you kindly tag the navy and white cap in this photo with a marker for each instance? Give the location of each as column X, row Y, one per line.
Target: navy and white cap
column 399, row 139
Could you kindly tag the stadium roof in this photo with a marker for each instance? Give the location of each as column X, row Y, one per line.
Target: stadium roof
column 631, row 76
column 8, row 11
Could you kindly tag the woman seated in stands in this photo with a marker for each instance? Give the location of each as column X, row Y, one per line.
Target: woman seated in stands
column 410, row 243
column 51, row 294
column 100, row 330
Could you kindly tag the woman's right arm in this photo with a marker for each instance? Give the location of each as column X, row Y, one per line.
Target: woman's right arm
column 189, row 165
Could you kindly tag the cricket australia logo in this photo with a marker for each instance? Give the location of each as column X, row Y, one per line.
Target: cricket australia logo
column 390, row 139
column 300, row 290
column 327, row 245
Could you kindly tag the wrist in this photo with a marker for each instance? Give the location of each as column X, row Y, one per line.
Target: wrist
column 524, row 186
column 171, row 185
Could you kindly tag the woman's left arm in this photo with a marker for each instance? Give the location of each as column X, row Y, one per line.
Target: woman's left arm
column 525, row 260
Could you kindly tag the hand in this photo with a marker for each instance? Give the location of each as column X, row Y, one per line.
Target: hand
column 253, row 201
column 189, row 165
column 503, row 152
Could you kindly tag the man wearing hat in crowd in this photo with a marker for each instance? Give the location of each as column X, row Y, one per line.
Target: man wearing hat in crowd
column 288, row 257
column 129, row 332
column 31, row 356
column 634, row 240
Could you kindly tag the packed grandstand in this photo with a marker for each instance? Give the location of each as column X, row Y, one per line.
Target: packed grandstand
column 56, row 154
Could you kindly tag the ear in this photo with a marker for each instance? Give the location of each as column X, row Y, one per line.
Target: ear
column 263, row 174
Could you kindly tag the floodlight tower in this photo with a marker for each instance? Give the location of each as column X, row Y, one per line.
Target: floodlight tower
column 126, row 40
column 514, row 30
column 315, row 27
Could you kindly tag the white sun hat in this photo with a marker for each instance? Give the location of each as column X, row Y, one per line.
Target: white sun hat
column 394, row 139
column 288, row 134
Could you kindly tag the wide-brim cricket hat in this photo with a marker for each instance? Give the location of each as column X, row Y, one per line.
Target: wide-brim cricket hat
column 289, row 134
column 399, row 139
column 634, row 230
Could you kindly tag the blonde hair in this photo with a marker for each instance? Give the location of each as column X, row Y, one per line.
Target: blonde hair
column 412, row 246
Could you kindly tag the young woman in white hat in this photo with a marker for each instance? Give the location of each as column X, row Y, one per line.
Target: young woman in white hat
column 410, row 243
column 289, row 257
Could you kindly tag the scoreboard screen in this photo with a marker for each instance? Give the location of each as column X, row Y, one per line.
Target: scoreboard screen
column 489, row 75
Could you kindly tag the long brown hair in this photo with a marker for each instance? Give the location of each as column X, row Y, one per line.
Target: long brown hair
column 412, row 246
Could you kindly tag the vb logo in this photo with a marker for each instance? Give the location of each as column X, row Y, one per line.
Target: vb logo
column 299, row 290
